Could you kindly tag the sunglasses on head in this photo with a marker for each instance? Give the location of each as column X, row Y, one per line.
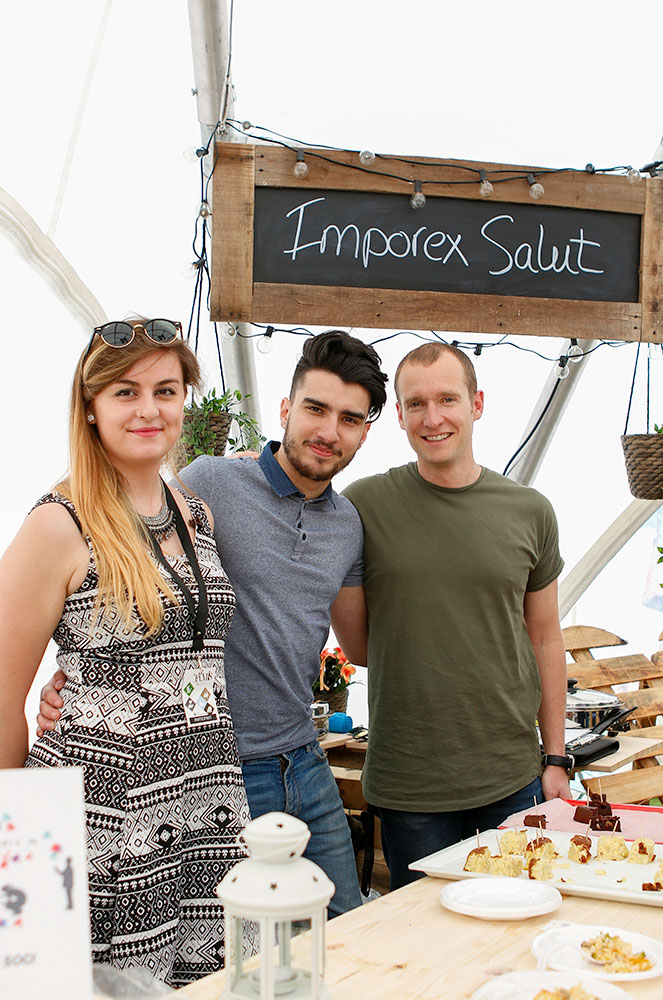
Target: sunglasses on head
column 121, row 334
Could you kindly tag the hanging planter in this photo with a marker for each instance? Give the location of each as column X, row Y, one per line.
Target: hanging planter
column 206, row 428
column 643, row 453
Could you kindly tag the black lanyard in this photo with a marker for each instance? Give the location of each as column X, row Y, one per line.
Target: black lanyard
column 198, row 615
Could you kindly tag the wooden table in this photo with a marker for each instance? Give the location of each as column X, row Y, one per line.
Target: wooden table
column 405, row 945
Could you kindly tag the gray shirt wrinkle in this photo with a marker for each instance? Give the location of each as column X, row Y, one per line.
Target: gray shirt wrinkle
column 287, row 558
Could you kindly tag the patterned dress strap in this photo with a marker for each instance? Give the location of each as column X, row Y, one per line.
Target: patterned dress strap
column 64, row 502
column 198, row 512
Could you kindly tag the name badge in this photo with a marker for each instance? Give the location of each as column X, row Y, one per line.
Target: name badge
column 198, row 696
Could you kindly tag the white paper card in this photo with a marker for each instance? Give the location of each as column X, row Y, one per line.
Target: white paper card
column 44, row 909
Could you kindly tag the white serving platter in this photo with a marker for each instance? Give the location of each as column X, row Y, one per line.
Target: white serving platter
column 597, row 879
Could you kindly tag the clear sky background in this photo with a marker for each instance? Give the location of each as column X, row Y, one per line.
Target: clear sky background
column 512, row 82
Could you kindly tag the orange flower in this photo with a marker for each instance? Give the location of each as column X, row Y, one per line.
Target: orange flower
column 347, row 670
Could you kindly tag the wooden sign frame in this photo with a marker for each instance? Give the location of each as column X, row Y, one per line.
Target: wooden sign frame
column 236, row 297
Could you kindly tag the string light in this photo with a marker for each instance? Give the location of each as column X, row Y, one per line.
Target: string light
column 265, row 345
column 204, row 211
column 485, row 187
column 575, row 353
column 367, row 157
column 562, row 370
column 418, row 199
column 633, row 175
column 227, row 332
column 301, row 166
column 536, row 190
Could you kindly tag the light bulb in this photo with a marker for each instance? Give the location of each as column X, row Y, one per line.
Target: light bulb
column 264, row 344
column 191, row 269
column 301, row 166
column 205, row 210
column 418, row 199
column 575, row 353
column 562, row 370
column 246, row 126
column 366, row 157
column 485, row 188
column 227, row 332
column 536, row 191
column 633, row 175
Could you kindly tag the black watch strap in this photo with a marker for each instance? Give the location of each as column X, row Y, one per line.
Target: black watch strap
column 567, row 761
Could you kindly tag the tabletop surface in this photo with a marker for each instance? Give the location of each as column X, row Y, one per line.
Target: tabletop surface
column 406, row 945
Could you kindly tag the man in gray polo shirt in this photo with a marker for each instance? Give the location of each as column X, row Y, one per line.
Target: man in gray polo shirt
column 292, row 549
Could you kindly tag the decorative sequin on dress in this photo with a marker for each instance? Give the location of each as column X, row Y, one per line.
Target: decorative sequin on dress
column 165, row 802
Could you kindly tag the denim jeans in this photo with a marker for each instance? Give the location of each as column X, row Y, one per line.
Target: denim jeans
column 409, row 836
column 300, row 783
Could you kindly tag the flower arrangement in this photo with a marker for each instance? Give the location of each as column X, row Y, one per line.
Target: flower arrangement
column 335, row 671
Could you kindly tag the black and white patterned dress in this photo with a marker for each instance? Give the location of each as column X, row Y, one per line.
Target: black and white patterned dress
column 164, row 802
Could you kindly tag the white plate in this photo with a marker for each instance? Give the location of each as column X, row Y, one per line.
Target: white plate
column 525, row 986
column 500, row 899
column 597, row 879
column 558, row 947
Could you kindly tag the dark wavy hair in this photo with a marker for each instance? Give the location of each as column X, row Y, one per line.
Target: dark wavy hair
column 350, row 359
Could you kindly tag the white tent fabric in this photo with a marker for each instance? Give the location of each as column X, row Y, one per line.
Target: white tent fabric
column 97, row 109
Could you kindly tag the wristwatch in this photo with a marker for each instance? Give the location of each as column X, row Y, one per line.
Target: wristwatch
column 567, row 761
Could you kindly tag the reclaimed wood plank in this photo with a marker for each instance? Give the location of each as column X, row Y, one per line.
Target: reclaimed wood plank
column 639, row 785
column 603, row 674
column 651, row 263
column 340, row 170
column 582, row 638
column 388, row 308
column 233, row 181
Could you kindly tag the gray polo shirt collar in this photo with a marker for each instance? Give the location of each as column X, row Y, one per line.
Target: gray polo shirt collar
column 280, row 481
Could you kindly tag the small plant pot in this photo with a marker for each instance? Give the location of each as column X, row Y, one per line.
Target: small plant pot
column 218, row 425
column 337, row 700
column 643, row 454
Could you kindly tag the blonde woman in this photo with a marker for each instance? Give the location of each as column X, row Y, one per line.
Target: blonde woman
column 124, row 574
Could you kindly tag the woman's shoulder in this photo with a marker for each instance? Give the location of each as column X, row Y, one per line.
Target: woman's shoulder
column 53, row 502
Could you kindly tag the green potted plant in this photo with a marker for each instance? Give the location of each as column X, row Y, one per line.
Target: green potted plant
column 207, row 425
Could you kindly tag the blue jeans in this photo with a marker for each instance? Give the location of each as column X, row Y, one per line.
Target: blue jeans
column 409, row 836
column 300, row 783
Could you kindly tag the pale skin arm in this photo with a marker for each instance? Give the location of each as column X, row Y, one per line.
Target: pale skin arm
column 542, row 623
column 350, row 623
column 36, row 572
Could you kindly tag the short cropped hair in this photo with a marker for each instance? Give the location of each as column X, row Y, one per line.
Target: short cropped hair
column 428, row 354
column 350, row 359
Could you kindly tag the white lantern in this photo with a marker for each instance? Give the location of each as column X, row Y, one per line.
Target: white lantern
column 272, row 888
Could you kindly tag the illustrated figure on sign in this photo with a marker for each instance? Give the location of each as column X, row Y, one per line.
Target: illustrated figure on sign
column 14, row 899
column 68, row 882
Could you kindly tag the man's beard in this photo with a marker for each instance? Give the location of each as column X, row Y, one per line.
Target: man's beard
column 310, row 469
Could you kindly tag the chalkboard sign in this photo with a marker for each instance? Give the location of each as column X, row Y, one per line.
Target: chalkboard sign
column 360, row 240
column 344, row 247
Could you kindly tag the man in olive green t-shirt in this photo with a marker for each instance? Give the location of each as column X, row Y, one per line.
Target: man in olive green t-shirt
column 465, row 650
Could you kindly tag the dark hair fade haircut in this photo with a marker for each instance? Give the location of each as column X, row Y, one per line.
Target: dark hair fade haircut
column 350, row 359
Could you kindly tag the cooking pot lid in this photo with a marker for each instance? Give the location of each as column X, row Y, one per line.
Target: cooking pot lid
column 588, row 699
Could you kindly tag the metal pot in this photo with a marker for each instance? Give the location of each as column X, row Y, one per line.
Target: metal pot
column 588, row 708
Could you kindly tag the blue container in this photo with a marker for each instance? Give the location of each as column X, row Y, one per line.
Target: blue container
column 340, row 723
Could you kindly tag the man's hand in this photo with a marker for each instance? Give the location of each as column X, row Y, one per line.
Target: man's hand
column 555, row 783
column 51, row 703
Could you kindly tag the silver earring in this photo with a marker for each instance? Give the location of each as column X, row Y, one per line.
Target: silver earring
column 90, row 418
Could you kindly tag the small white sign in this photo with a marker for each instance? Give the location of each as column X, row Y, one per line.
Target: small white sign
column 44, row 909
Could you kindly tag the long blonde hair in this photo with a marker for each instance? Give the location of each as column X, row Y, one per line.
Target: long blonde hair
column 119, row 538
